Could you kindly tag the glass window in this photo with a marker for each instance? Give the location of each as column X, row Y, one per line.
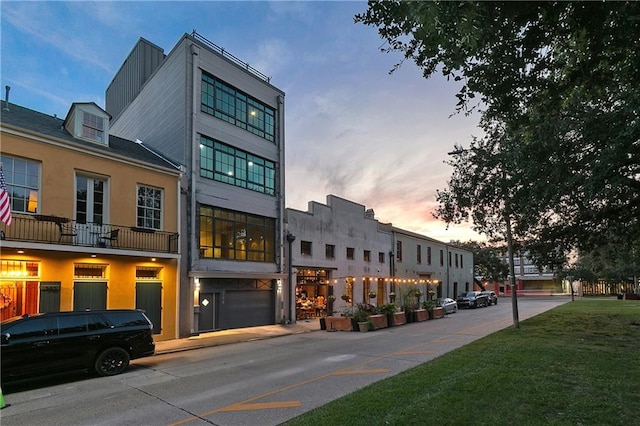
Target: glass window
column 22, row 178
column 92, row 127
column 225, row 234
column 305, row 248
column 419, row 254
column 350, row 253
column 399, row 251
column 367, row 255
column 229, row 165
column 428, row 255
column 233, row 106
column 330, row 251
column 33, row 327
column 381, row 257
column 149, row 211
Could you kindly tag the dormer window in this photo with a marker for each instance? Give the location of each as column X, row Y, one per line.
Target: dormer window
column 93, row 127
column 86, row 120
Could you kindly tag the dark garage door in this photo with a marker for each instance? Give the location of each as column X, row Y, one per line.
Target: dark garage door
column 246, row 308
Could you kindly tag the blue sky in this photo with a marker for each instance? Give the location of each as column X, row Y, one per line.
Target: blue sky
column 352, row 129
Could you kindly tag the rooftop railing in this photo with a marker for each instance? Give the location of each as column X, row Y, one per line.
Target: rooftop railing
column 228, row 55
column 58, row 230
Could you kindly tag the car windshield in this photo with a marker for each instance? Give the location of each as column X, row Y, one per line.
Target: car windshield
column 471, row 294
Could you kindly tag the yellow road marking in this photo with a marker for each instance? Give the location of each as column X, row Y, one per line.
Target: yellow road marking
column 347, row 372
column 261, row 406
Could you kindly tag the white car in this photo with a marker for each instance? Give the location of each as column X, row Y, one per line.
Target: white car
column 450, row 306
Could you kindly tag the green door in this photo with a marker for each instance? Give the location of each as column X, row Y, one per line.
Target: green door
column 149, row 299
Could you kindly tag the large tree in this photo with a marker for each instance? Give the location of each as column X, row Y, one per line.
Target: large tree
column 557, row 85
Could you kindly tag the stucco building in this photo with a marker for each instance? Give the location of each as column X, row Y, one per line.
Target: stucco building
column 340, row 249
column 94, row 218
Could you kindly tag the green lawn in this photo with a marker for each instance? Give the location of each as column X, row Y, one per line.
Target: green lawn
column 578, row 364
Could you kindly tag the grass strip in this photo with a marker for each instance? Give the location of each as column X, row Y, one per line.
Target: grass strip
column 578, row 364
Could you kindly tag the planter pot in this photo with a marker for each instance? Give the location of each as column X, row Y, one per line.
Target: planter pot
column 363, row 326
column 411, row 316
column 398, row 318
column 338, row 323
column 437, row 313
column 379, row 321
column 422, row 315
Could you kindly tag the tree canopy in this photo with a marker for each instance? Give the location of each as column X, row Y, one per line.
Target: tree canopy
column 558, row 89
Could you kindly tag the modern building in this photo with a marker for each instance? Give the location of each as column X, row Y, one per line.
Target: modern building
column 224, row 121
column 339, row 249
column 94, row 218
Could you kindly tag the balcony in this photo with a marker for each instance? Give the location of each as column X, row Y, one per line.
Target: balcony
column 57, row 230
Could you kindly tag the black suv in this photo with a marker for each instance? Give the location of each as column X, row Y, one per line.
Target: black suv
column 104, row 341
column 472, row 299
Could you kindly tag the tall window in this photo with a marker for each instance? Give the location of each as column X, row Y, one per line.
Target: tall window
column 149, row 212
column 419, row 254
column 23, row 183
column 229, row 165
column 399, row 251
column 381, row 257
column 92, row 127
column 227, row 234
column 428, row 255
column 233, row 106
column 367, row 255
column 90, row 200
column 441, row 257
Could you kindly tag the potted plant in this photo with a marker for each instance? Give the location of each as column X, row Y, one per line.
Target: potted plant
column 372, row 295
column 429, row 305
column 345, row 297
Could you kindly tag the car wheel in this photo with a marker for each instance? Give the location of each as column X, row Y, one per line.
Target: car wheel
column 112, row 361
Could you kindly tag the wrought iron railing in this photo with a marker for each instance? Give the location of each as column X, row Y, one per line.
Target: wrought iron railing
column 51, row 229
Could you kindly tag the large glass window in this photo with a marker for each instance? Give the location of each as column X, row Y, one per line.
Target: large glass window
column 149, row 212
column 226, row 234
column 23, row 183
column 229, row 165
column 233, row 106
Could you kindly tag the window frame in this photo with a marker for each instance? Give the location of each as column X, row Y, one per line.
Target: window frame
column 226, row 164
column 155, row 221
column 24, row 186
column 229, row 104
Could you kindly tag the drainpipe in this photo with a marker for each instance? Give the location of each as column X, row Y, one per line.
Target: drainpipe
column 290, row 239
column 191, row 217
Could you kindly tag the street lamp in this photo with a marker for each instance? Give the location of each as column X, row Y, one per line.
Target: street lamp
column 507, row 221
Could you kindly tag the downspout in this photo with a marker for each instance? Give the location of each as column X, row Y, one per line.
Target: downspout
column 286, row 295
column 191, row 218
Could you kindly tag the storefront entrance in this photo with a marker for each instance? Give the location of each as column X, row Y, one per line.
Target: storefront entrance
column 312, row 289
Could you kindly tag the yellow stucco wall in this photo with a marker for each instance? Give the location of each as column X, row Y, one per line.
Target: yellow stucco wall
column 60, row 163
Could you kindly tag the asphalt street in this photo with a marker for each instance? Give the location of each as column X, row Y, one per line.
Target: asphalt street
column 263, row 381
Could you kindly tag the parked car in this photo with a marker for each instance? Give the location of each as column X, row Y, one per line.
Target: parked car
column 102, row 341
column 491, row 295
column 472, row 299
column 450, row 306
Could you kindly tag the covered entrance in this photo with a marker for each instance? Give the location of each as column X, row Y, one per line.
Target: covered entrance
column 312, row 289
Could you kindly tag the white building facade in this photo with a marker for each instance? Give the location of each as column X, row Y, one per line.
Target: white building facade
column 339, row 249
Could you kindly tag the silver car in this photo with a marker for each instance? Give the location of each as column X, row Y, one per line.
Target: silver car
column 450, row 306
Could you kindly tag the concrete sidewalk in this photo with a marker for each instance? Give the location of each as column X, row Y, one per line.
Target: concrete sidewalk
column 225, row 337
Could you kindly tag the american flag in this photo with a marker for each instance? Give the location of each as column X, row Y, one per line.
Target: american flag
column 5, row 201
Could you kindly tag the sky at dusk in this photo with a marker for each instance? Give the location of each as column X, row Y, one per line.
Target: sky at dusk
column 352, row 129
